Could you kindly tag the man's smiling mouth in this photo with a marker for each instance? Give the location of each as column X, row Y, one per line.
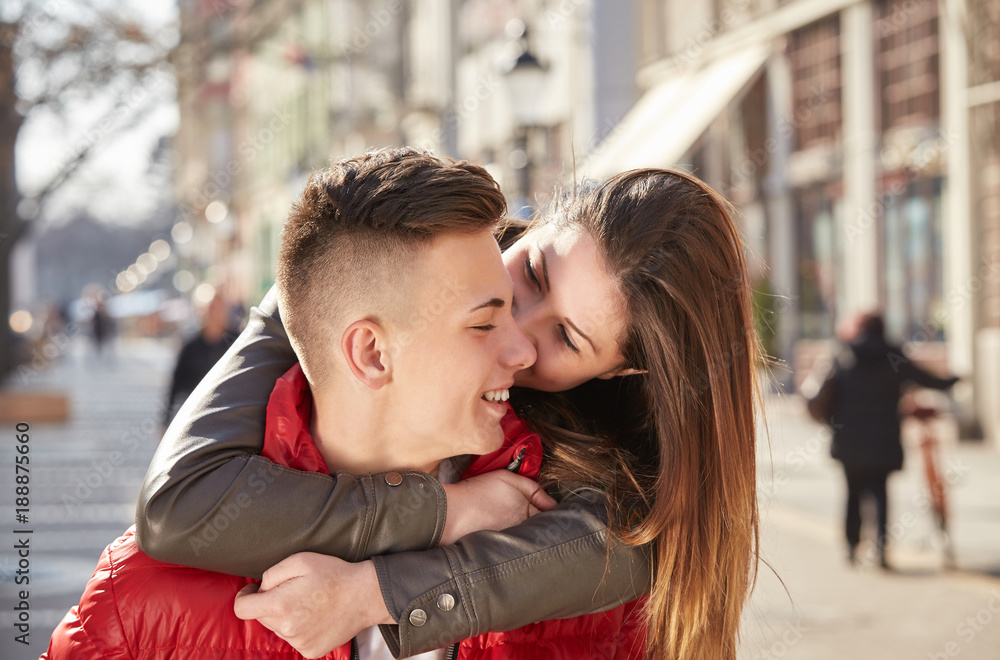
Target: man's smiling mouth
column 497, row 396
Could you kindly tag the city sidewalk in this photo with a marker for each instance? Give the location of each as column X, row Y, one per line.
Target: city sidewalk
column 833, row 610
column 85, row 475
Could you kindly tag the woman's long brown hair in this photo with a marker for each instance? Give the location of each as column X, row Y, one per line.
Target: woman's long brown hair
column 674, row 448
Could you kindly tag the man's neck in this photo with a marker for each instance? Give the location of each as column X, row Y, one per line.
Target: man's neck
column 354, row 435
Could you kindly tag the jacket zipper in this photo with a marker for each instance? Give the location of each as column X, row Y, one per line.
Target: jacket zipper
column 515, row 465
column 452, row 652
column 355, row 653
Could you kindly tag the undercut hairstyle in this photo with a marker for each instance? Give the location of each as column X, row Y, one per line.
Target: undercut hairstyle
column 354, row 235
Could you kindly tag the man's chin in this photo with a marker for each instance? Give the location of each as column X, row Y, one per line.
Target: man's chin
column 488, row 440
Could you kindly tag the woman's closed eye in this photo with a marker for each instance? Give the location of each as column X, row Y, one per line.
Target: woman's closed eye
column 529, row 271
column 566, row 340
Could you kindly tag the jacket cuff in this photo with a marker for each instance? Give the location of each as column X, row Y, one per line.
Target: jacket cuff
column 409, row 513
column 439, row 616
column 557, row 564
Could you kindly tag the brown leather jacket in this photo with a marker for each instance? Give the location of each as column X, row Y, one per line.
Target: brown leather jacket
column 211, row 501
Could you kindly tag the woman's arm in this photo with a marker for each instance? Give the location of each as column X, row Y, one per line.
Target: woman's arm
column 209, row 497
column 557, row 564
column 910, row 371
column 485, row 582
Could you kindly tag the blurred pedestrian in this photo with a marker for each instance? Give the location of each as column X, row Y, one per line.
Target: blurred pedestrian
column 199, row 355
column 101, row 325
column 865, row 384
column 55, row 321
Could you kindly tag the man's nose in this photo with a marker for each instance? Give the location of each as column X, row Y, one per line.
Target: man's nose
column 527, row 315
column 520, row 352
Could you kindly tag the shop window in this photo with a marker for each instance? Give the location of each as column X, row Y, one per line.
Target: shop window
column 816, row 211
column 911, row 239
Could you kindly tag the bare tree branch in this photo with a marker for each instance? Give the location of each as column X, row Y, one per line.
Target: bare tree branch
column 39, row 199
column 52, row 57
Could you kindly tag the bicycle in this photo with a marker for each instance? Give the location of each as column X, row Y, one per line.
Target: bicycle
column 936, row 485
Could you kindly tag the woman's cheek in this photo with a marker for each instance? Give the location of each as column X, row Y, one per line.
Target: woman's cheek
column 549, row 375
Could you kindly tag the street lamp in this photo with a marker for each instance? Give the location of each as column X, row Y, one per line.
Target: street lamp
column 526, row 78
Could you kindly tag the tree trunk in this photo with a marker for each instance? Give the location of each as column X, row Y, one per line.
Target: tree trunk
column 11, row 226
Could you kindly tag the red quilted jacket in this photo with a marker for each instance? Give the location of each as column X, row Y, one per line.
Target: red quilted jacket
column 137, row 608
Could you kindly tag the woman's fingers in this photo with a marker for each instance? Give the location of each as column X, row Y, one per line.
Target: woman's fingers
column 496, row 500
column 319, row 609
column 531, row 491
column 286, row 569
column 251, row 604
column 251, row 588
column 542, row 500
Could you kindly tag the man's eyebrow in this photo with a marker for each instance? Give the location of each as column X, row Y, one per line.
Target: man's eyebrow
column 499, row 303
column 580, row 332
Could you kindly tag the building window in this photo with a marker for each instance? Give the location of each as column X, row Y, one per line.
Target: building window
column 814, row 54
column 906, row 59
column 816, row 209
column 911, row 240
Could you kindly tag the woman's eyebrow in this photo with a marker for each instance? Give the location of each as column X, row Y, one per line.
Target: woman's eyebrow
column 580, row 332
column 545, row 268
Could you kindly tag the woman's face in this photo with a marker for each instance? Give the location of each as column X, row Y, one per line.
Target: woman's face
column 566, row 305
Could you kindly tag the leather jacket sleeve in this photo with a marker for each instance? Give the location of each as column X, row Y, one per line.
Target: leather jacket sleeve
column 211, row 501
column 557, row 564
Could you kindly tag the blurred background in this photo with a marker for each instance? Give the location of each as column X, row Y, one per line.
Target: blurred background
column 149, row 152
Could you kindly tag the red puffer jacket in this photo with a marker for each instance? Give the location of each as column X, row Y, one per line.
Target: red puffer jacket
column 137, row 608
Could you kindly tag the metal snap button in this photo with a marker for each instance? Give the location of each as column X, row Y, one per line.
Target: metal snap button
column 445, row 602
column 393, row 478
column 418, row 617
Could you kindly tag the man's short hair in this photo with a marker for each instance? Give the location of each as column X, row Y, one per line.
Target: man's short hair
column 354, row 233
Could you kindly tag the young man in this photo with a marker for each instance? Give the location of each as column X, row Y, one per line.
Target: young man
column 398, row 306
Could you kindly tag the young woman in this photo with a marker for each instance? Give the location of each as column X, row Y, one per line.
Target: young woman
column 635, row 294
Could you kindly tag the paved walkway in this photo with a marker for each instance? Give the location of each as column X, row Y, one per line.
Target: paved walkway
column 832, row 610
column 85, row 476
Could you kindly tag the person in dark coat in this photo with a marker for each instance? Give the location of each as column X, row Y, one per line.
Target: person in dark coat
column 869, row 376
column 199, row 355
column 101, row 325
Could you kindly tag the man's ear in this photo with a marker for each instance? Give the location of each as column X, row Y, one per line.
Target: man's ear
column 363, row 345
column 621, row 371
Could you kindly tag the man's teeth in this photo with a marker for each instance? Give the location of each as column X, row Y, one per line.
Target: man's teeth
column 497, row 395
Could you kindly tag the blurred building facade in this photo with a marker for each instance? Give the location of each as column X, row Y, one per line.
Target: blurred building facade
column 271, row 90
column 858, row 139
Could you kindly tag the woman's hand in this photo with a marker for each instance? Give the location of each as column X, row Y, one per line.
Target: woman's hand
column 495, row 500
column 315, row 602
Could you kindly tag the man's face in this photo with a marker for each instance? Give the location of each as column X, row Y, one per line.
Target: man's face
column 458, row 348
